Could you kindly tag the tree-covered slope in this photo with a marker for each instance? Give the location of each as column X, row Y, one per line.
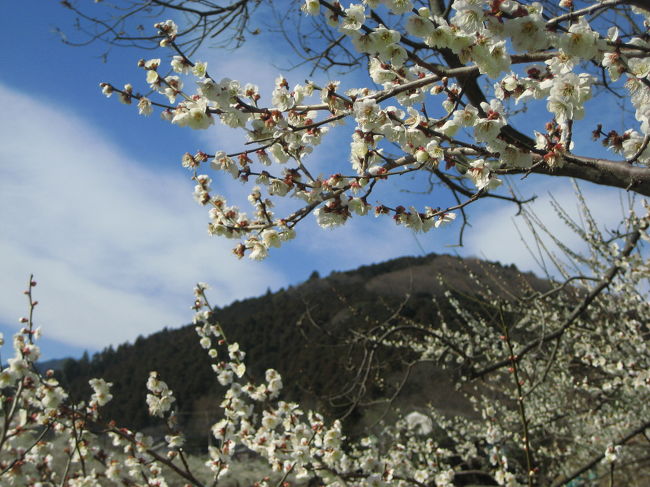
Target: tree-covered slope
column 306, row 332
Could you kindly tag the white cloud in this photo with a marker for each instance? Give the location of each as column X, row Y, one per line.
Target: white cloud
column 116, row 246
column 366, row 240
column 494, row 234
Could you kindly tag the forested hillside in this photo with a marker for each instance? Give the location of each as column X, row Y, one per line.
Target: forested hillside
column 308, row 332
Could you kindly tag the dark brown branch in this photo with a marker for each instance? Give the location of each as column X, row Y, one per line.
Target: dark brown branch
column 597, row 459
column 600, row 171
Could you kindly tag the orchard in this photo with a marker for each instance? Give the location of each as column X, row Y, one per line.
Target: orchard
column 468, row 95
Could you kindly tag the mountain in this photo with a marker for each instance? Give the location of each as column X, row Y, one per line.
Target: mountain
column 306, row 332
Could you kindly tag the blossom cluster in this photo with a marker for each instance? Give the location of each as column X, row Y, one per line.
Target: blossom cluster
column 294, row 442
column 582, row 386
column 468, row 134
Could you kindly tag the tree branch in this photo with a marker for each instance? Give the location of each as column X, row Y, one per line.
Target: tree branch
column 575, row 314
column 593, row 462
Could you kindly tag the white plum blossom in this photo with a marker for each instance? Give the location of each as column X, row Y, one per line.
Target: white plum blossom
column 144, row 106
column 107, row 89
column 466, row 117
column 181, row 65
column 258, row 251
column 126, row 94
column 567, row 94
column 480, row 172
column 291, row 440
column 528, row 33
column 479, row 33
column 491, row 58
column 469, row 15
column 442, row 219
column 160, row 397
column 18, row 367
column 168, row 28
column 271, row 238
column 487, row 127
column 381, row 73
column 581, row 41
column 354, row 18
column 384, row 38
column 367, row 113
column 633, row 143
column 311, row 7
column 223, row 94
column 395, row 54
column 398, row 7
column 101, row 395
column 612, row 453
column 54, row 394
column 419, row 25
column 170, row 86
column 445, row 478
column 222, row 162
column 200, row 69
column 328, row 216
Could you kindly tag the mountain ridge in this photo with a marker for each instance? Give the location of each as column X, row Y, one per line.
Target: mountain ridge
column 303, row 331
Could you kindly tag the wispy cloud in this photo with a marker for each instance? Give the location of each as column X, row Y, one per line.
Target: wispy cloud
column 116, row 245
column 499, row 234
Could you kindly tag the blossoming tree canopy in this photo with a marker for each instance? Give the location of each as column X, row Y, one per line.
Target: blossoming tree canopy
column 442, row 87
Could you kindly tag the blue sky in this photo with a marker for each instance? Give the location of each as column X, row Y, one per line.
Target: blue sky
column 94, row 202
